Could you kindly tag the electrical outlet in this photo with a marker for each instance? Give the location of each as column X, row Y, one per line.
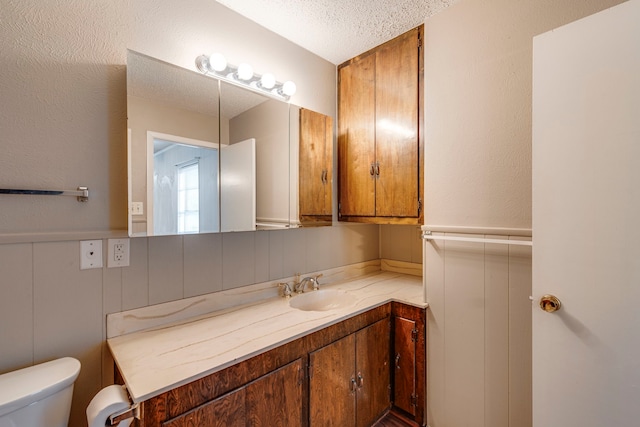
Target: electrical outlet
column 90, row 254
column 118, row 253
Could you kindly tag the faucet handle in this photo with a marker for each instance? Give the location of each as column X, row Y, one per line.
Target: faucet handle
column 316, row 282
column 286, row 289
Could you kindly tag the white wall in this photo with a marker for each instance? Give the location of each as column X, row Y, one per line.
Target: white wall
column 63, row 122
column 478, row 65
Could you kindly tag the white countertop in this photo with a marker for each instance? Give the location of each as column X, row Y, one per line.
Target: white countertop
column 157, row 360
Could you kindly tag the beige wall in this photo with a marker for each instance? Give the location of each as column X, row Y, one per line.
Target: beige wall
column 478, row 65
column 478, row 59
column 63, row 121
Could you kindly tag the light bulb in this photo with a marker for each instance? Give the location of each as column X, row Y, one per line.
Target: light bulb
column 268, row 81
column 289, row 88
column 217, row 62
column 245, row 72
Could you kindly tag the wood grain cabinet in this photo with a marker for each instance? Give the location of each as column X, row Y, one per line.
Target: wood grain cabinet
column 380, row 149
column 349, row 380
column 347, row 374
column 272, row 400
column 408, row 358
column 315, row 175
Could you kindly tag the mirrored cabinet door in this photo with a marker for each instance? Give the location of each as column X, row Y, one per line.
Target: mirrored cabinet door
column 207, row 156
column 173, row 131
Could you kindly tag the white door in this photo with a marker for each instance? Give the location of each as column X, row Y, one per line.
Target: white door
column 586, row 221
column 238, row 186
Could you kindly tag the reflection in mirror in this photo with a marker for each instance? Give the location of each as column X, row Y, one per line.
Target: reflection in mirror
column 173, row 149
column 250, row 116
column 185, row 182
column 239, row 147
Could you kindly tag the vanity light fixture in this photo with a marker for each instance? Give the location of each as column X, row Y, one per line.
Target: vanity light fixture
column 217, row 65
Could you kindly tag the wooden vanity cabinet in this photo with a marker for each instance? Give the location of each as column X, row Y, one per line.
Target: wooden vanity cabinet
column 380, row 149
column 409, row 361
column 272, row 400
column 349, row 382
column 315, row 176
column 262, row 390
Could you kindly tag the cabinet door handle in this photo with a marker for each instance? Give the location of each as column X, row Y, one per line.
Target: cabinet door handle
column 353, row 385
column 398, row 361
column 323, row 178
column 372, row 170
column 360, row 380
column 377, row 170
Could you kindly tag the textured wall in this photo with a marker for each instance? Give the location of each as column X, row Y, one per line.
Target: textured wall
column 478, row 59
column 62, row 114
column 478, row 72
column 63, row 124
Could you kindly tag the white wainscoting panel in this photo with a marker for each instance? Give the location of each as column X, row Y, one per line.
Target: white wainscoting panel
column 479, row 333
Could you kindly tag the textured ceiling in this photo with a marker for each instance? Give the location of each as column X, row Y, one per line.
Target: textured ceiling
column 338, row 30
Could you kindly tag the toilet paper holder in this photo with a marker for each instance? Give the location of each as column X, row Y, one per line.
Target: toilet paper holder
column 131, row 412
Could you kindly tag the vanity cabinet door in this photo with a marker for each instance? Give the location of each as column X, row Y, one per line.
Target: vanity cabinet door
column 409, row 361
column 404, row 372
column 332, row 384
column 225, row 411
column 350, row 380
column 372, row 376
column 274, row 400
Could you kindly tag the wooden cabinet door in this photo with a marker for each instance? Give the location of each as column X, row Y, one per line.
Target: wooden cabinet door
column 276, row 398
column 356, row 137
column 272, row 400
column 225, row 411
column 350, row 378
column 372, row 376
column 397, row 139
column 316, row 163
column 404, row 372
column 332, row 384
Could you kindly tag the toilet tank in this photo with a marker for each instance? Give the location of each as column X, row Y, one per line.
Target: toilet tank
column 39, row 395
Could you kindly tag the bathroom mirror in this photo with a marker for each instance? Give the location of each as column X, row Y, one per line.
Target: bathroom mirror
column 204, row 156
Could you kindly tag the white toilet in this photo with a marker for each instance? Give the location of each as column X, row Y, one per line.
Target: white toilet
column 39, row 395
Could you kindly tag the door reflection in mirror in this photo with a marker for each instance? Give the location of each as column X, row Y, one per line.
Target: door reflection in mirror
column 184, row 191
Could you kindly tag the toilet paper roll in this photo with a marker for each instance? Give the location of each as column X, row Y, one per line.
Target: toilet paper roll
column 107, row 402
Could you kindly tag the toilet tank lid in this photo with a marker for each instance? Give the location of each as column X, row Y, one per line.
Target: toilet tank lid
column 25, row 386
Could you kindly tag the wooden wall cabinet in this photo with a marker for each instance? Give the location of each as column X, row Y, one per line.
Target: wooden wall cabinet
column 315, row 176
column 380, row 148
column 349, row 382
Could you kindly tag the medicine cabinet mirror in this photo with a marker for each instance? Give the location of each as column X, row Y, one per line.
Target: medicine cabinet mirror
column 207, row 156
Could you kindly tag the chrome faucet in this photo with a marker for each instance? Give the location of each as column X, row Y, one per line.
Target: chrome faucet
column 299, row 287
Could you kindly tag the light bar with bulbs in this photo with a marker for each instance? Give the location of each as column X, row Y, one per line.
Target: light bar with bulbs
column 216, row 64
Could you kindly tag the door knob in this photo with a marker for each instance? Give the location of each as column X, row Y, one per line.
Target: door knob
column 550, row 303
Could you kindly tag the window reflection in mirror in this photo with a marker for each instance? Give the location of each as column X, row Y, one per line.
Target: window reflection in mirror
column 184, row 185
column 172, row 116
column 188, row 108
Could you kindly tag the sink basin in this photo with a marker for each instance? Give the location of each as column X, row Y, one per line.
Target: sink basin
column 322, row 300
